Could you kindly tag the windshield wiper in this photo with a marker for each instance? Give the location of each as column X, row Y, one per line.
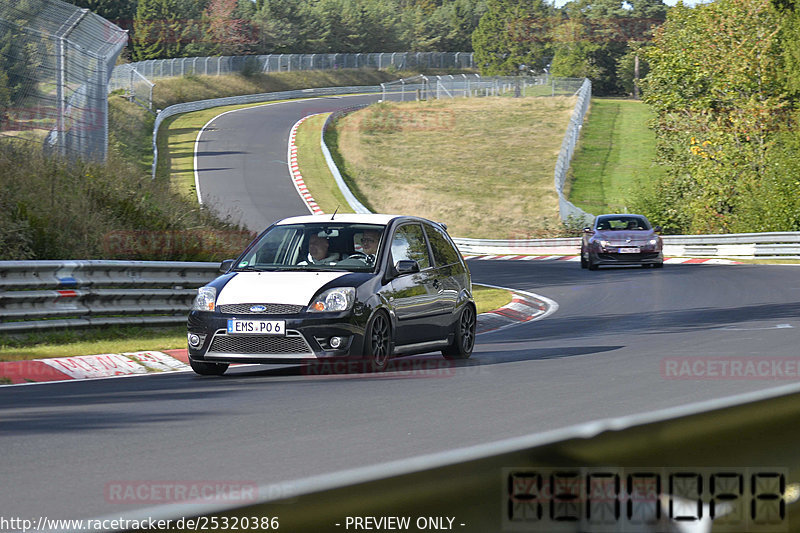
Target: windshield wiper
column 253, row 268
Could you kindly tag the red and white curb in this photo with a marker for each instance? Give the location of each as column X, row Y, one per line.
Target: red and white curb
column 294, row 170
column 577, row 258
column 524, row 307
column 92, row 366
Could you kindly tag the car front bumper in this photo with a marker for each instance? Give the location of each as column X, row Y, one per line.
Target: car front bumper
column 642, row 258
column 306, row 338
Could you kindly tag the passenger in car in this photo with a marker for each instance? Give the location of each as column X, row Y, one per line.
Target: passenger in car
column 369, row 242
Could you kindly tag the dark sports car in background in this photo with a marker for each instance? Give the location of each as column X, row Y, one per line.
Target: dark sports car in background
column 621, row 240
column 328, row 288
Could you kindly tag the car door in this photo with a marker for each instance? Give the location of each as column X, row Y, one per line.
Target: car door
column 414, row 296
column 450, row 271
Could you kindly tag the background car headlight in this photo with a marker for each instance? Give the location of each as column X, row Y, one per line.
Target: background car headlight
column 205, row 299
column 338, row 299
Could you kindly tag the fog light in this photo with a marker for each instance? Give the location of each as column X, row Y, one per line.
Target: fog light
column 335, row 342
column 195, row 340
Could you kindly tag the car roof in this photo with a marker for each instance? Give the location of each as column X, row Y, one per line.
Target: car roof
column 621, row 215
column 353, row 218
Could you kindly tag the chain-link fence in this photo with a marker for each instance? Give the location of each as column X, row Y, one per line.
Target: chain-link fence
column 568, row 211
column 55, row 62
column 423, row 87
column 128, row 77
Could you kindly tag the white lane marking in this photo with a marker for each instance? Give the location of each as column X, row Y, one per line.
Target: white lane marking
column 777, row 326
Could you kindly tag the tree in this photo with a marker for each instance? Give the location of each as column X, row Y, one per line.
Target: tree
column 282, row 26
column 226, row 34
column 120, row 12
column 716, row 84
column 168, row 28
column 596, row 38
column 512, row 34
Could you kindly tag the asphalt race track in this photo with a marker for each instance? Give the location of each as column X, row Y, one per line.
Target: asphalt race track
column 242, row 160
column 606, row 352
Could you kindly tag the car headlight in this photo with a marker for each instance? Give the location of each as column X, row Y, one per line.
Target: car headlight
column 652, row 242
column 205, row 299
column 338, row 299
column 605, row 244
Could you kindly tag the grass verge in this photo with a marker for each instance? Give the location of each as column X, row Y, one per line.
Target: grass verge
column 66, row 343
column 456, row 161
column 488, row 298
column 118, row 339
column 614, row 158
column 314, row 169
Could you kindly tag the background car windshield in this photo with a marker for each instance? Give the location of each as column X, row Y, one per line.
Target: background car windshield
column 622, row 223
column 334, row 246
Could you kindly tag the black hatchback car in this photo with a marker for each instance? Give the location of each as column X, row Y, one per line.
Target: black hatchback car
column 327, row 288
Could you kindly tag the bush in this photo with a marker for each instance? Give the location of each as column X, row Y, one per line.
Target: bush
column 54, row 209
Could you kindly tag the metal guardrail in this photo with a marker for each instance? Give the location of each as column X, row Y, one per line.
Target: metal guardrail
column 730, row 463
column 351, row 199
column 772, row 245
column 50, row 294
column 38, row 295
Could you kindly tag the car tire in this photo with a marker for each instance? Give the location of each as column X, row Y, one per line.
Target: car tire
column 658, row 265
column 378, row 342
column 208, row 369
column 590, row 264
column 584, row 264
column 464, row 339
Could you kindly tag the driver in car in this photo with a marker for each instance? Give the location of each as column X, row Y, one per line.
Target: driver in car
column 318, row 251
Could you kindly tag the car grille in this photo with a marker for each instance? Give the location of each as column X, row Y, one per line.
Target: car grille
column 271, row 309
column 293, row 343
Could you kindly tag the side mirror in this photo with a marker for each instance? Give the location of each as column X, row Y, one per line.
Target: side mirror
column 406, row 266
column 658, row 229
column 226, row 265
column 587, row 229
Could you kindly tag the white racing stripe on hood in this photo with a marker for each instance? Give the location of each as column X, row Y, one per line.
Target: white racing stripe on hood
column 294, row 288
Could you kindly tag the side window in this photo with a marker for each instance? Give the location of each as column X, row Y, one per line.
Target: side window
column 443, row 251
column 409, row 243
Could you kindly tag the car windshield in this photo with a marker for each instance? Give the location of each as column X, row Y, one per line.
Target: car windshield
column 315, row 246
column 622, row 223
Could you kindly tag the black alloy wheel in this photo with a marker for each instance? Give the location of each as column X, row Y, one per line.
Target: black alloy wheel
column 378, row 342
column 464, row 341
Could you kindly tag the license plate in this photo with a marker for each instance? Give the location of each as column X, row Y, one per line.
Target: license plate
column 256, row 327
column 629, row 250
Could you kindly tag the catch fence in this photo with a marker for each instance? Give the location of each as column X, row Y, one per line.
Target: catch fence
column 129, row 77
column 56, row 60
